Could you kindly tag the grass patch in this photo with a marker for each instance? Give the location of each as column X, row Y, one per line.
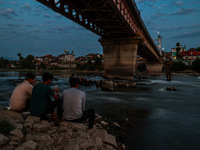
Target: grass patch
column 5, row 127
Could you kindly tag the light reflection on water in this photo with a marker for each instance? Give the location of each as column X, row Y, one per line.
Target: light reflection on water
column 161, row 119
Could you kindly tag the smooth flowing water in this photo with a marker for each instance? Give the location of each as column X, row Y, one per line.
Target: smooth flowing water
column 161, row 119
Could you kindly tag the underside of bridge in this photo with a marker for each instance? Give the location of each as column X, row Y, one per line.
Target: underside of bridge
column 95, row 15
column 123, row 34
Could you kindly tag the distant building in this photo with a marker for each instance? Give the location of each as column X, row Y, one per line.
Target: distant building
column 190, row 55
column 67, row 57
column 81, row 59
column 91, row 56
column 70, row 57
column 61, row 58
column 66, row 52
column 174, row 52
column 48, row 59
column 67, row 60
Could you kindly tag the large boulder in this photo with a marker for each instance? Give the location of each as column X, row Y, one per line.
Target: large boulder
column 73, row 125
column 3, row 140
column 12, row 117
column 16, row 135
column 107, row 85
column 107, row 138
column 29, row 145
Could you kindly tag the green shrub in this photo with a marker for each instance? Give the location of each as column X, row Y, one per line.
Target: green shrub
column 178, row 66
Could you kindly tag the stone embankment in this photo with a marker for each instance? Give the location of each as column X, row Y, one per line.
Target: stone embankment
column 107, row 85
column 31, row 133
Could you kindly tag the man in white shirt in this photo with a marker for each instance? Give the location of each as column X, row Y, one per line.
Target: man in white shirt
column 74, row 104
column 20, row 98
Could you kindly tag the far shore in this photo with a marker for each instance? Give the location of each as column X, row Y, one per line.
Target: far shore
column 70, row 71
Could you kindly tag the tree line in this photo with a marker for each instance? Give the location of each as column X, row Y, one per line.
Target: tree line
column 28, row 63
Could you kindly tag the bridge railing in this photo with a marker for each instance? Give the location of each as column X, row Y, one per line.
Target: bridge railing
column 143, row 25
column 136, row 8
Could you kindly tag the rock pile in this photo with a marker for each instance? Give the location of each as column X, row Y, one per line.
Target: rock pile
column 107, row 85
column 31, row 133
column 171, row 89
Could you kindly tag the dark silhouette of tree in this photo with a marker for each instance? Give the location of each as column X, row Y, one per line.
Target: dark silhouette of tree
column 3, row 62
column 196, row 65
column 27, row 63
column 179, row 66
column 97, row 60
column 29, row 60
column 89, row 62
column 198, row 49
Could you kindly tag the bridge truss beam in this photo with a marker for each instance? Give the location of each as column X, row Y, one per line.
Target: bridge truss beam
column 95, row 15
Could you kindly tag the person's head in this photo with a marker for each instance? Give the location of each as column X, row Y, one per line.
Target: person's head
column 47, row 77
column 74, row 82
column 30, row 77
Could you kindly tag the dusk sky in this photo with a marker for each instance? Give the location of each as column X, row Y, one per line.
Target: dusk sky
column 28, row 27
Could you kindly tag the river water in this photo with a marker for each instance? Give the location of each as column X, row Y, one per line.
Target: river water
column 159, row 119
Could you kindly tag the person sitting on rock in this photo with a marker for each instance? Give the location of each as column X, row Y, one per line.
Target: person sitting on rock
column 74, row 104
column 20, row 98
column 41, row 103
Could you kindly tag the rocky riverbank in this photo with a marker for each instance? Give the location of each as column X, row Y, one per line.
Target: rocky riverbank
column 22, row 131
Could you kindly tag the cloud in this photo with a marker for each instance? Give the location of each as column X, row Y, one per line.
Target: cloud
column 36, row 30
column 187, row 35
column 12, row 25
column 65, row 28
column 50, row 21
column 29, row 25
column 177, row 3
column 77, row 27
column 184, row 11
column 149, row 23
column 187, row 27
column 47, row 16
column 58, row 16
column 177, row 28
column 60, row 28
column 143, row 1
column 13, row 3
column 8, row 13
column 7, row 37
column 26, row 7
column 157, row 15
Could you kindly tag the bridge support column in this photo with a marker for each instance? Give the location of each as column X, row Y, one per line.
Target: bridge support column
column 120, row 57
column 154, row 67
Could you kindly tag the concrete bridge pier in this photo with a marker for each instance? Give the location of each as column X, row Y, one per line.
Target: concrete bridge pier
column 120, row 57
column 154, row 67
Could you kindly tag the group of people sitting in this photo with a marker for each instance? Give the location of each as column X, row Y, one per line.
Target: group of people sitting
column 42, row 100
